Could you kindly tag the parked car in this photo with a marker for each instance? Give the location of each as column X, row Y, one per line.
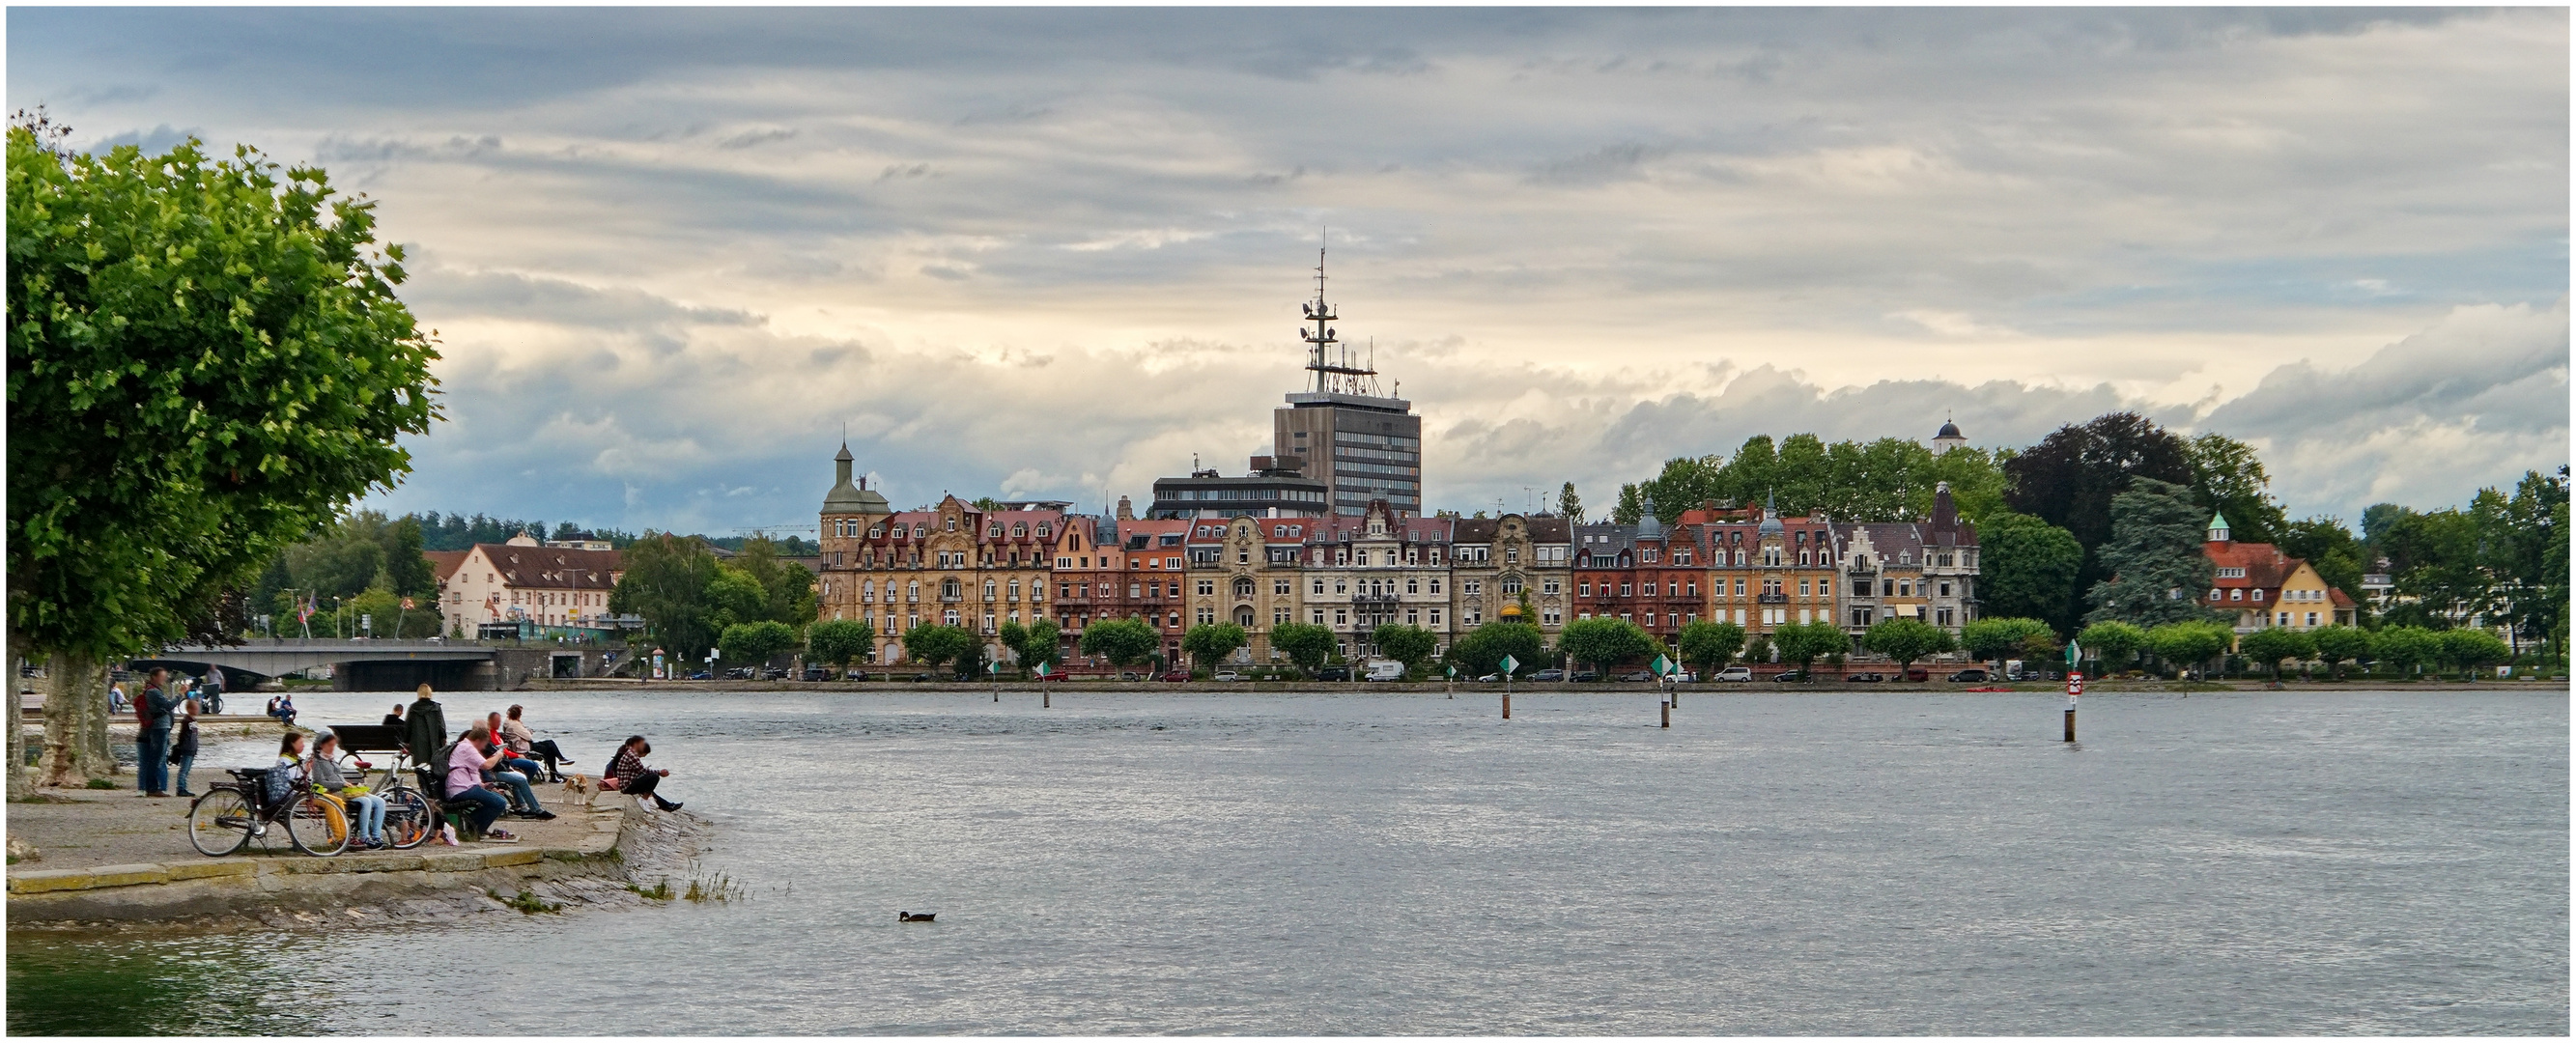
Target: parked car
column 1226, row 675
column 1333, row 673
column 922, row 677
column 1866, row 678
column 740, row 673
column 702, row 676
column 817, row 673
column 1790, row 677
column 1638, row 675
column 1971, row 674
column 1583, row 677
column 1918, row 675
column 1384, row 670
column 1176, row 676
column 775, row 673
column 1736, row 673
column 858, row 675
column 1490, row 679
column 1685, row 677
column 1549, row 674
column 1055, row 675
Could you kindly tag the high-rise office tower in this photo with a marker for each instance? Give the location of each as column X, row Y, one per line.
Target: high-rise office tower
column 1361, row 444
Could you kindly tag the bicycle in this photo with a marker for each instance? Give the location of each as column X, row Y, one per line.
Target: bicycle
column 230, row 815
column 409, row 818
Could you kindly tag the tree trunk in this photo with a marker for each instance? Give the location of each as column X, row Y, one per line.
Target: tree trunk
column 76, row 748
column 18, row 781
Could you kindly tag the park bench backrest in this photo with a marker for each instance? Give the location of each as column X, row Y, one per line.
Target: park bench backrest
column 368, row 738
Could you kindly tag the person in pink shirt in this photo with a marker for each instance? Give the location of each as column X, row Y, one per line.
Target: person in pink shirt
column 466, row 762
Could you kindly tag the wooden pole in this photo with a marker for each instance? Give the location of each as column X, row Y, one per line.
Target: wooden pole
column 2070, row 720
column 1668, row 714
column 1507, row 700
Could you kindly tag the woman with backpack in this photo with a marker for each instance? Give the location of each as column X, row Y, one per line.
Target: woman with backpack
column 183, row 745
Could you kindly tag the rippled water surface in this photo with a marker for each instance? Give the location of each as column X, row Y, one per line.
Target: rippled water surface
column 1346, row 863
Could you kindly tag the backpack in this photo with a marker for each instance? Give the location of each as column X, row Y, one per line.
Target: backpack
column 276, row 783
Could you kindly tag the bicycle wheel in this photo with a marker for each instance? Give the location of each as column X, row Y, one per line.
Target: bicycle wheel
column 219, row 823
column 315, row 825
column 408, row 819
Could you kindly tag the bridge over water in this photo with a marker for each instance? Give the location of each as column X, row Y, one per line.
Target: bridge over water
column 363, row 664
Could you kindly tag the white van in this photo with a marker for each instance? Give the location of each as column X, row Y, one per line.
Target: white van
column 1385, row 670
column 1735, row 673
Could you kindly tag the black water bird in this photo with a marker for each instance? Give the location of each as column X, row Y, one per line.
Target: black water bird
column 902, row 917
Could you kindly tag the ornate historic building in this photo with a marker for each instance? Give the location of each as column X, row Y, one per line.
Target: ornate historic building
column 1765, row 570
column 1642, row 573
column 1497, row 563
column 953, row 564
column 1244, row 570
column 1383, row 566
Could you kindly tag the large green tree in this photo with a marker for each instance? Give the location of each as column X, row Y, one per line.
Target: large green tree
column 755, row 643
column 2269, row 646
column 1995, row 639
column 1032, row 645
column 2337, row 644
column 2226, row 476
column 2189, row 643
column 1308, row 645
column 1123, row 642
column 840, row 642
column 2467, row 649
column 786, row 587
column 206, row 361
column 1210, row 643
column 1480, row 651
column 1409, row 645
column 2155, row 558
column 1710, row 645
column 935, row 644
column 2403, row 648
column 1905, row 640
column 2113, row 644
column 666, row 582
column 1804, row 643
column 1604, row 642
column 2027, row 568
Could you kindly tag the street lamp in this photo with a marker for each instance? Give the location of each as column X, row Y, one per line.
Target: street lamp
column 335, row 617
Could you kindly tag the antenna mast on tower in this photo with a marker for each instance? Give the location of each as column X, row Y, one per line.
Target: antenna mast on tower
column 1327, row 357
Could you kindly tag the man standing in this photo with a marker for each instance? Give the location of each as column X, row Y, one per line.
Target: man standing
column 152, row 738
column 425, row 729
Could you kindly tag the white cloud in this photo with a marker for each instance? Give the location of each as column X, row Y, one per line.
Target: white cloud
column 671, row 252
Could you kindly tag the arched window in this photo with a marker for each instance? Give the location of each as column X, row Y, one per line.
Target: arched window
column 912, row 591
column 988, row 590
column 1243, row 616
column 1243, row 586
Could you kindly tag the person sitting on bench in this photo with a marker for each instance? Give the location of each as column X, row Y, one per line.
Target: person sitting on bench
column 466, row 763
column 516, row 736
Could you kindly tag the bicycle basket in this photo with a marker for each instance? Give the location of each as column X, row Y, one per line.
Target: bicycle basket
column 276, row 783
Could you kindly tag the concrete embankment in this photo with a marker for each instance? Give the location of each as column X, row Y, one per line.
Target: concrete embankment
column 78, row 859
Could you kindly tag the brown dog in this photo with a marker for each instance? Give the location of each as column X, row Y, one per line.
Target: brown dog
column 580, row 789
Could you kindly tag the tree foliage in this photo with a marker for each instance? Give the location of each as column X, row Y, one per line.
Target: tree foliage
column 2227, row 477
column 1997, row 638
column 934, row 644
column 756, row 642
column 2189, row 643
column 1804, row 643
column 1123, row 642
column 1210, row 643
column 1306, row 644
column 1710, row 645
column 1905, row 640
column 1891, row 479
column 666, row 581
column 2468, row 649
column 2113, row 644
column 1569, row 505
column 2337, row 645
column 2269, row 646
column 1604, row 642
column 2404, row 647
column 206, row 362
column 2027, row 567
column 1480, row 651
column 840, row 642
column 1409, row 645
column 2155, row 557
column 1032, row 645
column 2069, row 479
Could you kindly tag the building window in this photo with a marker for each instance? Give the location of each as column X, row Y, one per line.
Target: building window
column 1412, row 585
column 1206, row 614
column 1207, row 587
column 1583, row 589
column 1511, row 585
column 1650, row 588
column 1319, row 617
column 1341, row 617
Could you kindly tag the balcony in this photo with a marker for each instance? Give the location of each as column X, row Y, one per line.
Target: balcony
column 1771, row 599
column 1373, row 600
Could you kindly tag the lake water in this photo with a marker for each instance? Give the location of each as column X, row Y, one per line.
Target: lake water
column 1336, row 863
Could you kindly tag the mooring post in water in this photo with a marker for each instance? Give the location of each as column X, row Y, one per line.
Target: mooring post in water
column 2074, row 687
column 1668, row 713
column 1507, row 700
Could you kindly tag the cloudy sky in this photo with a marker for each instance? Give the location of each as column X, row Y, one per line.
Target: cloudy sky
column 671, row 253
